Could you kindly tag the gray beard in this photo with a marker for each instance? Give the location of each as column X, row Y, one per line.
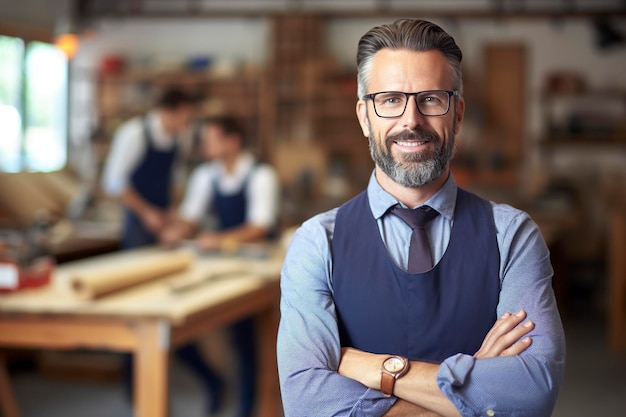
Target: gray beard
column 416, row 169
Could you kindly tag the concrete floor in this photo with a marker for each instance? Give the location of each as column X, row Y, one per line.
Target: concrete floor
column 595, row 385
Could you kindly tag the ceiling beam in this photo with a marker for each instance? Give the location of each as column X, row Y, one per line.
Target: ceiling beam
column 465, row 14
column 495, row 9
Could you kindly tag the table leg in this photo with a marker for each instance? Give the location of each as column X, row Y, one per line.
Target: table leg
column 151, row 369
column 8, row 405
column 617, row 282
column 268, row 392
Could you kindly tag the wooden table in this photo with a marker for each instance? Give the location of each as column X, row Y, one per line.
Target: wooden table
column 149, row 320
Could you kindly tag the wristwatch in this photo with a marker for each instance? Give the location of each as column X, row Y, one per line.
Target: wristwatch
column 392, row 368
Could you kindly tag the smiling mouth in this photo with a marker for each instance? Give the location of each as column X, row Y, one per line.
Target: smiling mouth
column 412, row 143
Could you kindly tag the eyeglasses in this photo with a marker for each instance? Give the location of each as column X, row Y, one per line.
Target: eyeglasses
column 389, row 104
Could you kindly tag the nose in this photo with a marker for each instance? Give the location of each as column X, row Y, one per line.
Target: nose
column 412, row 117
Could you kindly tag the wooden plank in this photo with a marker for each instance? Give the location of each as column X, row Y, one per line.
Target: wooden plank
column 65, row 333
column 221, row 280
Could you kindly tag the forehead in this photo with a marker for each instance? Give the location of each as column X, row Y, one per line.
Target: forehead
column 409, row 71
column 213, row 130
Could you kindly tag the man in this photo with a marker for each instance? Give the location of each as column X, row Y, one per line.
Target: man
column 141, row 166
column 371, row 328
column 147, row 153
column 242, row 194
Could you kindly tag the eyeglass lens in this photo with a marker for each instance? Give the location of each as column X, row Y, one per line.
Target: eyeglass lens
column 429, row 103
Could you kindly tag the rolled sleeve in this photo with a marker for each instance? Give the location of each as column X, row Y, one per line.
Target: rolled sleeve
column 263, row 191
column 199, row 194
column 126, row 150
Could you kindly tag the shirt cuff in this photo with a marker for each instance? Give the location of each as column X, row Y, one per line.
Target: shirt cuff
column 452, row 376
column 372, row 403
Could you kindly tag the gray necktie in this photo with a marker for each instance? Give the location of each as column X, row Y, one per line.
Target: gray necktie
column 420, row 257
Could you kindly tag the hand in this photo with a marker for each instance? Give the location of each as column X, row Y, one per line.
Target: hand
column 504, row 337
column 208, row 241
column 153, row 219
column 171, row 236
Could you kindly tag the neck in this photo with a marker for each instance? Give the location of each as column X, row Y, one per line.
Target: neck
column 411, row 196
column 230, row 161
column 166, row 123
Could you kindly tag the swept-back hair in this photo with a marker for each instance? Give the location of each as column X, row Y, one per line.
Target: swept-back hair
column 411, row 34
column 229, row 126
column 173, row 98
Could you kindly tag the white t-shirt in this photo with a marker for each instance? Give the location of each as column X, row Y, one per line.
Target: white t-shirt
column 129, row 147
column 262, row 191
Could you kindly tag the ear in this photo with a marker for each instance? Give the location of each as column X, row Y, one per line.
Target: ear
column 361, row 114
column 459, row 114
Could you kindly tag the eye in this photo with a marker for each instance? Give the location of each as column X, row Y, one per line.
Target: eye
column 431, row 100
column 390, row 99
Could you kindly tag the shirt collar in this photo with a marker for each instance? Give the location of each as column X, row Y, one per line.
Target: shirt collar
column 155, row 125
column 244, row 163
column 444, row 200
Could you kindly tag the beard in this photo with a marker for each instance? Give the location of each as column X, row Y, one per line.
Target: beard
column 413, row 169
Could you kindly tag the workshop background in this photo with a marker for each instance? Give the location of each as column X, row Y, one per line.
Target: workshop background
column 545, row 131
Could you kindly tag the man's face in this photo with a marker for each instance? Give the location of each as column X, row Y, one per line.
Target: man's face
column 180, row 118
column 215, row 144
column 412, row 149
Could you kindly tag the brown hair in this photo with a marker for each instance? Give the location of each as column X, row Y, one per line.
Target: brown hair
column 412, row 34
column 229, row 125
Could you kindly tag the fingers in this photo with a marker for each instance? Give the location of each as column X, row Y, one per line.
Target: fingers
column 518, row 347
column 504, row 337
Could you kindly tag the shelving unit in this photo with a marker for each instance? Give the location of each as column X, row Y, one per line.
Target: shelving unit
column 314, row 100
column 129, row 94
column 586, row 117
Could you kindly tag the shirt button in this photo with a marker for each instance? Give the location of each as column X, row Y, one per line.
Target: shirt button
column 491, row 413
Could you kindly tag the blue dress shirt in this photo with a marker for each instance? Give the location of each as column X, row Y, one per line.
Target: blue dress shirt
column 308, row 344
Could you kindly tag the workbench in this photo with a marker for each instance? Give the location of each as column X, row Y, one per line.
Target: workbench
column 150, row 320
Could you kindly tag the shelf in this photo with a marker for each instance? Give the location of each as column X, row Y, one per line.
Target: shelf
column 586, row 116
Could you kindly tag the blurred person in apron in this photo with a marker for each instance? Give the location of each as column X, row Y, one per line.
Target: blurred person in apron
column 146, row 155
column 241, row 195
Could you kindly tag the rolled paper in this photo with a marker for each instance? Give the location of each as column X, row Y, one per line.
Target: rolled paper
column 103, row 279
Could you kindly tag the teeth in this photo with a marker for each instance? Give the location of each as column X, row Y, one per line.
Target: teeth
column 409, row 143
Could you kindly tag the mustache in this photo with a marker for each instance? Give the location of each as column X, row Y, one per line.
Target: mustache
column 421, row 135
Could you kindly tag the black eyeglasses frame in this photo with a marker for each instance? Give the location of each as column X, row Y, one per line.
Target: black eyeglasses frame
column 451, row 93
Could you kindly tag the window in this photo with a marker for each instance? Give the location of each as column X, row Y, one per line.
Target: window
column 33, row 106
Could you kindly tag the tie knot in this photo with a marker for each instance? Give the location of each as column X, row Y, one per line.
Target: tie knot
column 416, row 218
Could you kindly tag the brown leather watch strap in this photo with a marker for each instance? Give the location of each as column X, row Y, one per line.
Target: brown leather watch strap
column 387, row 382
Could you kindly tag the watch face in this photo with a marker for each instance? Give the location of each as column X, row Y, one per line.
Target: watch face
column 393, row 364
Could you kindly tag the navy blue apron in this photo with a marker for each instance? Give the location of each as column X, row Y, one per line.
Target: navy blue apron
column 430, row 316
column 152, row 180
column 231, row 210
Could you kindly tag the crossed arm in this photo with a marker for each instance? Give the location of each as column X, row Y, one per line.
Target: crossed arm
column 509, row 375
column 417, row 391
